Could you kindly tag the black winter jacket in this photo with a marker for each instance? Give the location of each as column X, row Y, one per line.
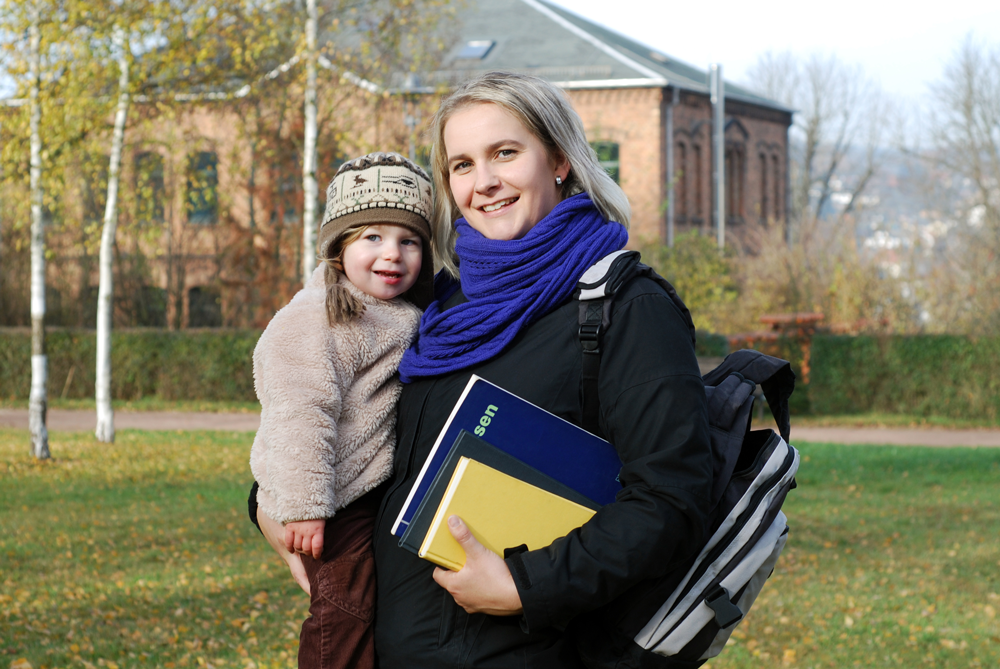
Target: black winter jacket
column 653, row 410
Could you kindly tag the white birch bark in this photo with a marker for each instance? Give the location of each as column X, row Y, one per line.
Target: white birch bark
column 309, row 188
column 38, row 399
column 1, row 221
column 105, row 431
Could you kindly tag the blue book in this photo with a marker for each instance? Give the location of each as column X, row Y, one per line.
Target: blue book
column 553, row 446
column 474, row 448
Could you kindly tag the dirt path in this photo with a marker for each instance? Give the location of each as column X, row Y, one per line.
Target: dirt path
column 66, row 420
column 897, row 436
column 63, row 420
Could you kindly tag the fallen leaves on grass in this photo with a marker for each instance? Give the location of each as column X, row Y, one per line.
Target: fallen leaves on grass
column 897, row 598
column 150, row 561
column 151, row 557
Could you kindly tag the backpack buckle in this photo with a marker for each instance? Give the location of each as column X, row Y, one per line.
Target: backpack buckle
column 726, row 613
column 590, row 336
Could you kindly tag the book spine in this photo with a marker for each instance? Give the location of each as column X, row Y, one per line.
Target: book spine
column 400, row 525
column 439, row 521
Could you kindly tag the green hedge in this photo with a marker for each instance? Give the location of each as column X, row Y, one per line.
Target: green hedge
column 709, row 345
column 790, row 349
column 186, row 365
column 929, row 375
column 941, row 375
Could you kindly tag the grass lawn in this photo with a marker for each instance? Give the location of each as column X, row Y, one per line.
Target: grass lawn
column 893, row 560
column 140, row 555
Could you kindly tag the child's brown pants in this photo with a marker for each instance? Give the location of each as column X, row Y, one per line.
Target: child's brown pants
column 339, row 632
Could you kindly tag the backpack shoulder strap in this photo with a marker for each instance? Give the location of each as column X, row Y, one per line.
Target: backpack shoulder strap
column 774, row 375
column 596, row 292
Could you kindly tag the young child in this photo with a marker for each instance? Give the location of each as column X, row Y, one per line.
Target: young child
column 325, row 371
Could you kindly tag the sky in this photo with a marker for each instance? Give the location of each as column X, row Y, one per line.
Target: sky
column 902, row 45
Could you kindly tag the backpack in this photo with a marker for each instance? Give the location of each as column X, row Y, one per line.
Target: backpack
column 686, row 617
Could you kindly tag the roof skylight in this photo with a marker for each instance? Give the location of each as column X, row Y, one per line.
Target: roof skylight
column 477, row 48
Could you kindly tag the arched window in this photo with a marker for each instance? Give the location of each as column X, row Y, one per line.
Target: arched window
column 202, row 188
column 204, row 308
column 149, row 307
column 776, row 182
column 763, row 187
column 149, row 187
column 95, row 187
column 682, row 179
column 696, row 174
column 735, row 175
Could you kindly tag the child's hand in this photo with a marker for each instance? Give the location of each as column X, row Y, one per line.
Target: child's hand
column 305, row 536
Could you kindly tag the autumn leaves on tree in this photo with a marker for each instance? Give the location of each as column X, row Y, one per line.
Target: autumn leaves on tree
column 144, row 142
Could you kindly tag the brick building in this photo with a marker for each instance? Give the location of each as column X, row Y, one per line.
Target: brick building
column 230, row 203
column 632, row 99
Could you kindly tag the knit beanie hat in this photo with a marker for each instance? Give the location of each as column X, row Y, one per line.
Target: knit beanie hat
column 382, row 188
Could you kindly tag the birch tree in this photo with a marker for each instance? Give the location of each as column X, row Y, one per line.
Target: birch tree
column 309, row 188
column 105, row 413
column 2, row 215
column 38, row 398
column 3, row 73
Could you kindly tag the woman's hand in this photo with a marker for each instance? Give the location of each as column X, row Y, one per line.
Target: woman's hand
column 275, row 535
column 484, row 584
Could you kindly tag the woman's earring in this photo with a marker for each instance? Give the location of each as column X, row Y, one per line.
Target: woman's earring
column 558, row 180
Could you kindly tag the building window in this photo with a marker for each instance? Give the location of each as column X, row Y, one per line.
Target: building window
column 735, row 174
column 54, row 306
column 95, row 187
column 680, row 182
column 88, row 306
column 696, row 174
column 204, row 308
column 763, row 187
column 202, row 188
column 776, row 182
column 607, row 156
column 149, row 187
column 288, row 199
column 149, row 308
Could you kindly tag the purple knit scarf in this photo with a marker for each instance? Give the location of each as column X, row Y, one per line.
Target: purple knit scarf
column 510, row 285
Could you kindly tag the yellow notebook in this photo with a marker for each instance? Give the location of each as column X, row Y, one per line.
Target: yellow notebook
column 501, row 511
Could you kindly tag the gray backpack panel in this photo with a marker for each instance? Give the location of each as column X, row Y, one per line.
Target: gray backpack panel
column 686, row 617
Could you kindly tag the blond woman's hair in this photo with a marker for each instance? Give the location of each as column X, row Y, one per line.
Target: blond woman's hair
column 546, row 113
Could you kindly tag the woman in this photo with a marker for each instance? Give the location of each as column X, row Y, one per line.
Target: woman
column 523, row 209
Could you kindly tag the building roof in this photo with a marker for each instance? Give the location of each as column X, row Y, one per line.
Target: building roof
column 536, row 37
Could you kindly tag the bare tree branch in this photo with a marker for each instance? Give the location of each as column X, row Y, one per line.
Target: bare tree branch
column 836, row 108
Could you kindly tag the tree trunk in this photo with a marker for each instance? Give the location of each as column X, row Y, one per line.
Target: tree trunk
column 309, row 149
column 38, row 401
column 1, row 228
column 105, row 413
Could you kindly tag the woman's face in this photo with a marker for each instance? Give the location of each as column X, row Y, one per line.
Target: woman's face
column 501, row 176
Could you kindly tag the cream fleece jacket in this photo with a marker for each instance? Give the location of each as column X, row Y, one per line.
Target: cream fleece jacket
column 328, row 402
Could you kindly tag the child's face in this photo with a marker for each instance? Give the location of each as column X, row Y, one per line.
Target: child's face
column 385, row 261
